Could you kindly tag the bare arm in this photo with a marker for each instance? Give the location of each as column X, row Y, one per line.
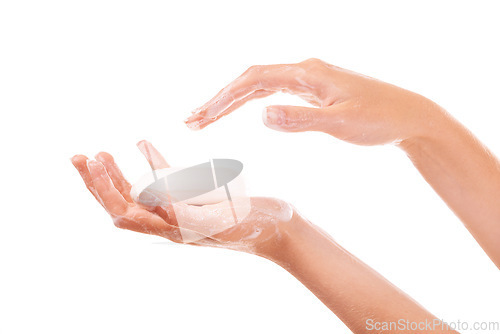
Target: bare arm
column 357, row 294
column 363, row 299
column 465, row 174
column 365, row 111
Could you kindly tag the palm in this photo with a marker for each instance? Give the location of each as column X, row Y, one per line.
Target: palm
column 106, row 182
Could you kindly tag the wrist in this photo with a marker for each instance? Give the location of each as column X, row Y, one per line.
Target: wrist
column 429, row 125
column 296, row 238
column 285, row 237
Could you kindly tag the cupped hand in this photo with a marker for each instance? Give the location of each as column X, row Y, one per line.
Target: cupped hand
column 347, row 105
column 259, row 232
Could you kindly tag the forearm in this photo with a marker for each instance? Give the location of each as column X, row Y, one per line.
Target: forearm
column 464, row 173
column 357, row 294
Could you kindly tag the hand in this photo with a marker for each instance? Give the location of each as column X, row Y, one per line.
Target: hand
column 258, row 233
column 273, row 230
column 352, row 107
column 366, row 111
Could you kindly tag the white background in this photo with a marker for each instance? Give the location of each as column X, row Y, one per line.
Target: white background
column 85, row 76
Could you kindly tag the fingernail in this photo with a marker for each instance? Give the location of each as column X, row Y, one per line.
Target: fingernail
column 101, row 156
column 194, row 125
column 193, row 116
column 191, row 120
column 92, row 164
column 273, row 116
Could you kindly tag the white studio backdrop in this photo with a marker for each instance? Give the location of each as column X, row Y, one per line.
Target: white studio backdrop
column 85, row 76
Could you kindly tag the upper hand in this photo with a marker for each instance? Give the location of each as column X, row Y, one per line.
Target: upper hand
column 348, row 105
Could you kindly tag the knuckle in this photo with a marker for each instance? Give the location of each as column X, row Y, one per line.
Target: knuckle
column 255, row 69
column 118, row 222
column 313, row 62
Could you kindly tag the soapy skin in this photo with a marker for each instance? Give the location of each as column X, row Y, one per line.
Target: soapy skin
column 274, row 230
column 365, row 111
column 255, row 234
column 356, row 109
column 349, row 106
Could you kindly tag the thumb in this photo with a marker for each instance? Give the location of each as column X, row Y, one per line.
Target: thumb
column 293, row 118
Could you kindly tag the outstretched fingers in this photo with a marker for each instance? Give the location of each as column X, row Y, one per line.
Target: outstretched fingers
column 295, row 118
column 114, row 172
column 256, row 82
column 125, row 214
column 111, row 198
column 199, row 122
column 154, row 158
column 143, row 221
column 80, row 163
column 157, row 161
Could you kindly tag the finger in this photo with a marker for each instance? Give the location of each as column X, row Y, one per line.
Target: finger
column 166, row 212
column 80, row 163
column 114, row 172
column 294, row 118
column 199, row 122
column 140, row 220
column 270, row 78
column 111, row 198
column 155, row 159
